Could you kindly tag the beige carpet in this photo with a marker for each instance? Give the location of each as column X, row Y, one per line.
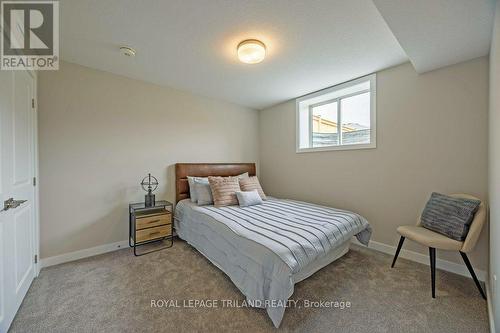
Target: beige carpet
column 113, row 293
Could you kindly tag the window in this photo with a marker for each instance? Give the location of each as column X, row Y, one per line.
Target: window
column 338, row 118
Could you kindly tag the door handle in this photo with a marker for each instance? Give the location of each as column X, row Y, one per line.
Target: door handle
column 11, row 204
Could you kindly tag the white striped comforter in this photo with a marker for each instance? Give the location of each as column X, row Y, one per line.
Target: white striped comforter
column 297, row 232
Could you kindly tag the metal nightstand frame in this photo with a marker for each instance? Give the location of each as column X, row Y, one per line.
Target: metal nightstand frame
column 139, row 207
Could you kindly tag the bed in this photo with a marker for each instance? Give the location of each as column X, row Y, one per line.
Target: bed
column 264, row 249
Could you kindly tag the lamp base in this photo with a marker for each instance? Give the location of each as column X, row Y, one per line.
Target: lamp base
column 149, row 200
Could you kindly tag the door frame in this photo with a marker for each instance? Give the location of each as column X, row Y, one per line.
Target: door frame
column 36, row 206
column 34, row 135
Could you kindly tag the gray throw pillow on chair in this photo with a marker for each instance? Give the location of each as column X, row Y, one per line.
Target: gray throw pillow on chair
column 449, row 216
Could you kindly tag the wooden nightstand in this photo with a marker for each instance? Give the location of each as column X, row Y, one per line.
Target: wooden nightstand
column 150, row 224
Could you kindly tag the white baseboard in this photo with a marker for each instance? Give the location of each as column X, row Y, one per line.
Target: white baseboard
column 424, row 259
column 381, row 247
column 72, row 256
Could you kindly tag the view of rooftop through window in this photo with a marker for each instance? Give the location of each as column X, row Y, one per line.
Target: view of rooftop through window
column 341, row 116
column 354, row 117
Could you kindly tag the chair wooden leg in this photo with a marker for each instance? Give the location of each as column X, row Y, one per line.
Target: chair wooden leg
column 432, row 257
column 401, row 240
column 471, row 271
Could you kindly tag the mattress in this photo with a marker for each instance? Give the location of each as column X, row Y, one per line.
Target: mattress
column 266, row 249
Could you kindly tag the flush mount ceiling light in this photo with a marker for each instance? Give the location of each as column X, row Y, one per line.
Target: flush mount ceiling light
column 251, row 51
column 127, row 51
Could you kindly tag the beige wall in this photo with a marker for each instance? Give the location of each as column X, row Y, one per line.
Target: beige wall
column 431, row 136
column 99, row 134
column 494, row 166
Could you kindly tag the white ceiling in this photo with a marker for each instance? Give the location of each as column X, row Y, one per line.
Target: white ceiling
column 437, row 33
column 191, row 44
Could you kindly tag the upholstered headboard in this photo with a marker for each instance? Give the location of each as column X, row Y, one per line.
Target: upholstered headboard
column 182, row 170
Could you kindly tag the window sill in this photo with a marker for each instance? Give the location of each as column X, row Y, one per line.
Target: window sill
column 333, row 148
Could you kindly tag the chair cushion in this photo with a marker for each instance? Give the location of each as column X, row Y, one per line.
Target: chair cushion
column 429, row 238
column 450, row 216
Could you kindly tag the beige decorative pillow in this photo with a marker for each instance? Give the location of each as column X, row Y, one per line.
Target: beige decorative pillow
column 224, row 190
column 252, row 183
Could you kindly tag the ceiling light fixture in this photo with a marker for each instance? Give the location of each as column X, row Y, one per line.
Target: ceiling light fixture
column 251, row 51
column 127, row 51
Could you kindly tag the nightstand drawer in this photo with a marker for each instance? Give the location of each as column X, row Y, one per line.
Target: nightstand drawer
column 152, row 233
column 152, row 221
column 150, row 224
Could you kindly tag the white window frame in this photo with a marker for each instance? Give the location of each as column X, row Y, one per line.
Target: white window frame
column 372, row 78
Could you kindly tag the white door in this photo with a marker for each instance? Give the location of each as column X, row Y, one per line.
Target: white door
column 17, row 170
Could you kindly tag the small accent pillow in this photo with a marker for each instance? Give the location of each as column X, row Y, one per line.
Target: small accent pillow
column 249, row 198
column 449, row 216
column 224, row 190
column 191, row 180
column 250, row 184
column 203, row 193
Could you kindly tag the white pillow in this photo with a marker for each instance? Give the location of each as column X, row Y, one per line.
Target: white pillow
column 249, row 198
column 192, row 193
column 203, row 193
